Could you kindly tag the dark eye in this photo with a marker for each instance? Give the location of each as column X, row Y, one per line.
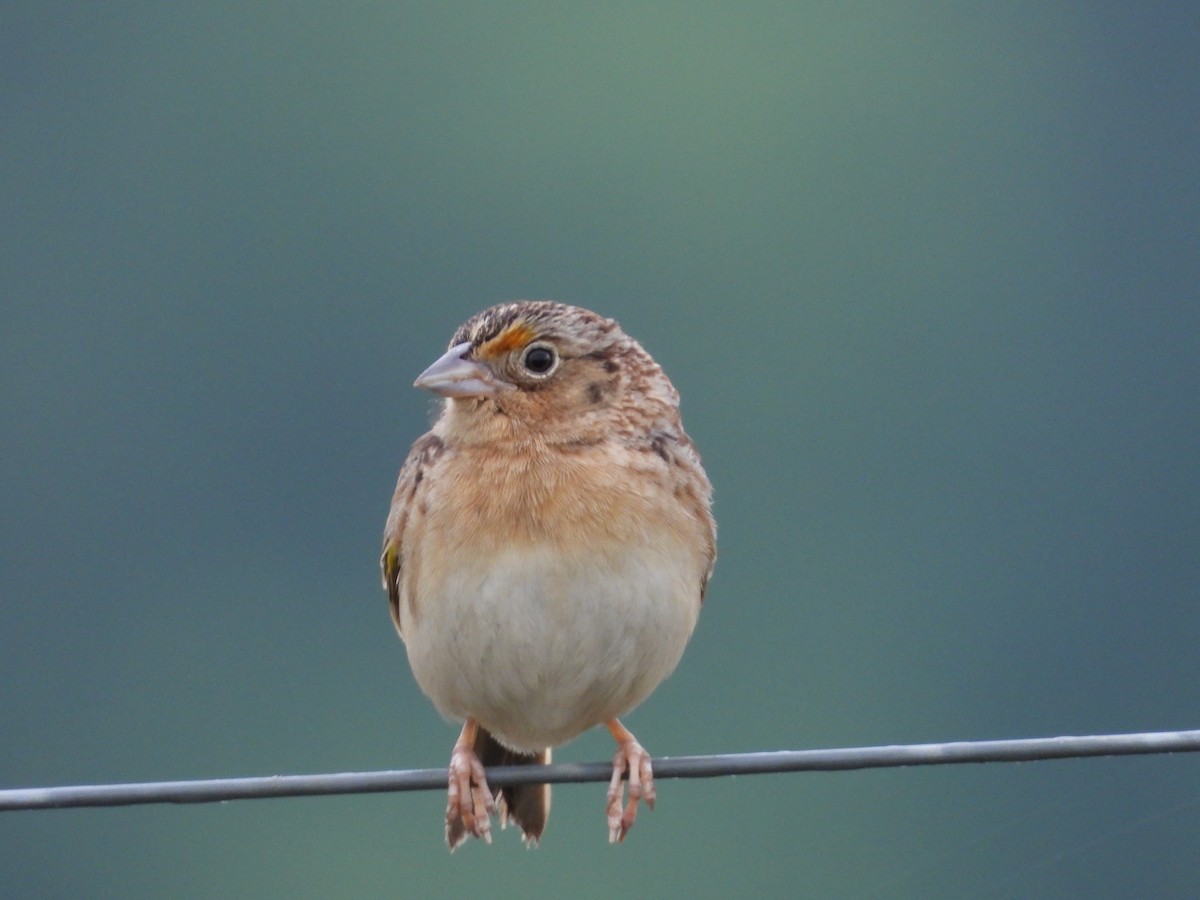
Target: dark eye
column 538, row 359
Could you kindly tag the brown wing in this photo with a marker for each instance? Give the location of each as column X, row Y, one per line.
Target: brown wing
column 691, row 488
column 701, row 507
column 421, row 457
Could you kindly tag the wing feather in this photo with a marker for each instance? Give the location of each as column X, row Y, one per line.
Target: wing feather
column 423, row 456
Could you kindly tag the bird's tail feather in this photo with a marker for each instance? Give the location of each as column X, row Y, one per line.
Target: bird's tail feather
column 526, row 805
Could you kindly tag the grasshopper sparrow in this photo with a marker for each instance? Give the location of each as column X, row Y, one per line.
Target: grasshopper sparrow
column 546, row 552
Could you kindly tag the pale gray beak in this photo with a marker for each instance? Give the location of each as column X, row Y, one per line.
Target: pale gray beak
column 454, row 376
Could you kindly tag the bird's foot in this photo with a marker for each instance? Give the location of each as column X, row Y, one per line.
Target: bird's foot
column 632, row 765
column 469, row 802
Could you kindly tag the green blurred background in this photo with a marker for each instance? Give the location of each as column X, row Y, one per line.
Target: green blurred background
column 925, row 274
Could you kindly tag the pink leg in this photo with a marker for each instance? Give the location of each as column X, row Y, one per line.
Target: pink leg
column 631, row 762
column 469, row 803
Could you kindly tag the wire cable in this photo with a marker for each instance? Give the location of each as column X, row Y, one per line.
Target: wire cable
column 222, row 789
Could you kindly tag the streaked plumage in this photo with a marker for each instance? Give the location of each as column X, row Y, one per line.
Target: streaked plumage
column 547, row 549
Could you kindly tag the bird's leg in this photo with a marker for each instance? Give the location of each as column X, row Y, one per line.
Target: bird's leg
column 633, row 759
column 469, row 803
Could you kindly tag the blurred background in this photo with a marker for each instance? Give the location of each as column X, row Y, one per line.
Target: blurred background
column 924, row 273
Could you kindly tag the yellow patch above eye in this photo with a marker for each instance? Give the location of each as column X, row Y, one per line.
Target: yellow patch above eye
column 511, row 338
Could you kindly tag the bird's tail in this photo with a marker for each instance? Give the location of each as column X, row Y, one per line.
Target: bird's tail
column 526, row 805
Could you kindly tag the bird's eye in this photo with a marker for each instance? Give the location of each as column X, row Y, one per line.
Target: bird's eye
column 539, row 359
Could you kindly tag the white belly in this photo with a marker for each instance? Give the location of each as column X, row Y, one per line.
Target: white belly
column 539, row 645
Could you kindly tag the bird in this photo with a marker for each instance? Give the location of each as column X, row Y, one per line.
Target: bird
column 546, row 553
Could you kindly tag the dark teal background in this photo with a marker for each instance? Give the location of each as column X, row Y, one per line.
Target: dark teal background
column 925, row 274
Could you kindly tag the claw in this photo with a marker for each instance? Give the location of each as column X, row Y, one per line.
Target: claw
column 631, row 764
column 469, row 802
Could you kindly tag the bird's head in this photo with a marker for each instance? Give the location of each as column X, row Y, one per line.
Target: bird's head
column 547, row 366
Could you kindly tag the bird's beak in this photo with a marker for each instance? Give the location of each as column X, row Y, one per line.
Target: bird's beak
column 455, row 376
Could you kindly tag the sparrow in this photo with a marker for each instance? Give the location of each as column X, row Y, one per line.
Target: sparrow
column 546, row 553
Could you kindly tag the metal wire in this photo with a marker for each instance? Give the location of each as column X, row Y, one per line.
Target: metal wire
column 221, row 789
